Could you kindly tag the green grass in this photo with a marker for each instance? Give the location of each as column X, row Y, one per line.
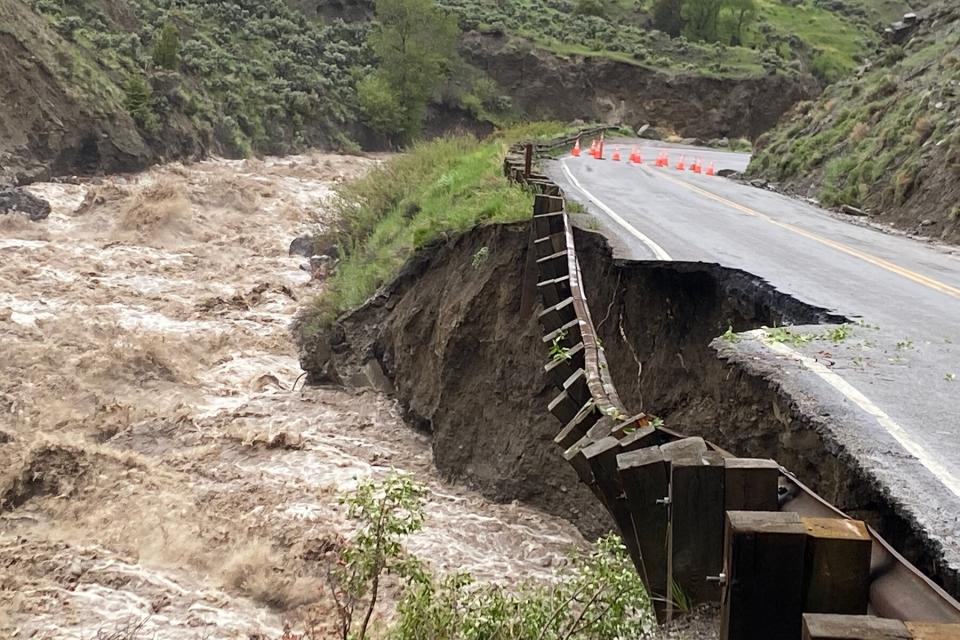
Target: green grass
column 786, row 36
column 446, row 185
column 836, row 42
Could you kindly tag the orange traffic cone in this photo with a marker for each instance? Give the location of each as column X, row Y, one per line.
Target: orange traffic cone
column 576, row 149
column 615, row 156
column 710, row 169
column 680, row 164
column 635, row 156
column 695, row 167
column 664, row 159
column 592, row 151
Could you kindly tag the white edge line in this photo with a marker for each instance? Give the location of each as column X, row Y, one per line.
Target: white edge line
column 657, row 250
column 899, row 434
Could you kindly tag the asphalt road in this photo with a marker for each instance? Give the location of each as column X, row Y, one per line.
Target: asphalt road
column 892, row 385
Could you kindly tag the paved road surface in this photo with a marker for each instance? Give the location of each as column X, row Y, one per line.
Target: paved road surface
column 891, row 383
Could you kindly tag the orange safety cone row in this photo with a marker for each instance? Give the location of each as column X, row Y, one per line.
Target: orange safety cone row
column 695, row 166
column 710, row 169
column 680, row 164
column 635, row 156
column 615, row 156
column 576, row 149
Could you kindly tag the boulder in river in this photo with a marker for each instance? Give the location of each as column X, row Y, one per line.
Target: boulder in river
column 20, row 201
column 302, row 246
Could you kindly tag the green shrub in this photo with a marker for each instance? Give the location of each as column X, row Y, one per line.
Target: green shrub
column 445, row 185
column 379, row 105
column 137, row 101
column 599, row 595
column 166, row 51
column 386, row 511
column 591, row 8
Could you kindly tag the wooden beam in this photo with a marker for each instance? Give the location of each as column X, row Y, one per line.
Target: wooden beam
column 696, row 523
column 837, row 567
column 750, row 484
column 560, row 369
column 644, row 478
column 931, row 631
column 763, row 573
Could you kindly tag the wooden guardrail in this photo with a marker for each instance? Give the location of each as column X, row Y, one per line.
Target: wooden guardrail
column 700, row 524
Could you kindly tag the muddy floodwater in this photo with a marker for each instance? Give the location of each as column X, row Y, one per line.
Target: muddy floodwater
column 158, row 466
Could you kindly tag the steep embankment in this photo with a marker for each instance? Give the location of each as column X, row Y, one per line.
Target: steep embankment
column 456, row 334
column 888, row 140
column 457, row 337
column 611, row 90
column 86, row 87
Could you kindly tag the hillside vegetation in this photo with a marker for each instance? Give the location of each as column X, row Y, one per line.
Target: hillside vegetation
column 109, row 85
column 728, row 37
column 443, row 186
column 887, row 140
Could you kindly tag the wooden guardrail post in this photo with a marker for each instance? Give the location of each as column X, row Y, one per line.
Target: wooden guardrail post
column 837, row 567
column 527, row 160
column 645, row 480
column 695, row 543
column 763, row 576
column 750, row 484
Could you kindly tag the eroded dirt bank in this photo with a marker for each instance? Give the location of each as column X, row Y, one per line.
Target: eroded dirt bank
column 661, row 325
column 467, row 367
column 156, row 465
column 596, row 88
column 479, row 387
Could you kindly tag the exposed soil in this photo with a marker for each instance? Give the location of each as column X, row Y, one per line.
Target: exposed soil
column 159, row 467
column 467, row 366
column 660, row 324
column 594, row 88
column 480, row 391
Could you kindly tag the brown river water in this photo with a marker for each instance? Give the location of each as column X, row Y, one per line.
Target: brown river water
column 157, row 467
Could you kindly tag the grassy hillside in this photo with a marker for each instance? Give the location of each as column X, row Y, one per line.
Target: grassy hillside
column 253, row 74
column 826, row 37
column 87, row 88
column 443, row 186
column 888, row 140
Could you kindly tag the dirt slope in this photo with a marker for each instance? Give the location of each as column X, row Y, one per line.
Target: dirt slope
column 595, row 88
column 467, row 367
column 45, row 128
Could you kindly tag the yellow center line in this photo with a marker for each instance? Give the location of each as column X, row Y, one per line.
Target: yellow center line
column 919, row 278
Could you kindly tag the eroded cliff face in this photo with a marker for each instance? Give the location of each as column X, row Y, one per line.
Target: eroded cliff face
column 455, row 337
column 458, row 338
column 595, row 88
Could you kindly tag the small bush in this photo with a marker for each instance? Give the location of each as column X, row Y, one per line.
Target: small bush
column 167, row 49
column 598, row 595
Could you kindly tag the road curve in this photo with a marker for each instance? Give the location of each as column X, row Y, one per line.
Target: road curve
column 893, row 384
